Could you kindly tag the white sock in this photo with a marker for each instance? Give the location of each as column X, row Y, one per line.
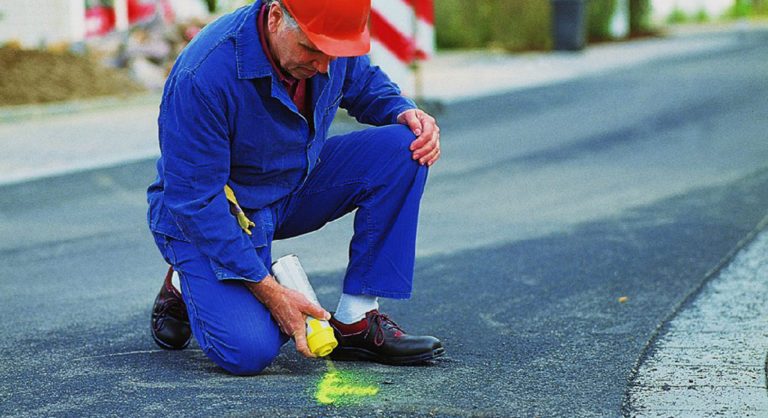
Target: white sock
column 353, row 308
column 175, row 281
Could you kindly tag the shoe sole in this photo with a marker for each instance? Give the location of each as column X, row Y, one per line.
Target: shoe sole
column 361, row 354
column 166, row 346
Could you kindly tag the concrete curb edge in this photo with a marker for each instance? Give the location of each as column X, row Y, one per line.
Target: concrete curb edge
column 626, row 408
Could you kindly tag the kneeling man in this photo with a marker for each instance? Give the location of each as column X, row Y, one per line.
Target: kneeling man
column 248, row 105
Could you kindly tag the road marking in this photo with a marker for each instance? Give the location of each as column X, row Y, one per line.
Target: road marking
column 710, row 359
column 338, row 387
column 125, row 353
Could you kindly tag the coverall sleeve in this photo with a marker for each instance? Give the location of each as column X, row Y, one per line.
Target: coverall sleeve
column 370, row 96
column 195, row 148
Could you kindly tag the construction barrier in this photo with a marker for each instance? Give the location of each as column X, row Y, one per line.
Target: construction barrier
column 104, row 16
column 402, row 34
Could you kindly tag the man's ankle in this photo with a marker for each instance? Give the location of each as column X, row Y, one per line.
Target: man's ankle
column 352, row 308
column 350, row 329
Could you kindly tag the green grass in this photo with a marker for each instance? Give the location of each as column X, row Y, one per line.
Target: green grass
column 640, row 17
column 513, row 25
column 760, row 7
column 702, row 16
column 740, row 8
column 599, row 14
column 521, row 25
column 677, row 16
column 747, row 8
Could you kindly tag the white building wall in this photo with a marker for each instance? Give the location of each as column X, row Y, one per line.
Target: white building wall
column 37, row 22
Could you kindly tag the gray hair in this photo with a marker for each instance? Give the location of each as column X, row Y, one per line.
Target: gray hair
column 289, row 20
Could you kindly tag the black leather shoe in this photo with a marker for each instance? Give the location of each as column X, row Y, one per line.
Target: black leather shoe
column 170, row 323
column 378, row 338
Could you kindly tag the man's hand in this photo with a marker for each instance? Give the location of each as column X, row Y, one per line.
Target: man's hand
column 426, row 147
column 289, row 308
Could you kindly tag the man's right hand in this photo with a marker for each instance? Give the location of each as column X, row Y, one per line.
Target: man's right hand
column 289, row 308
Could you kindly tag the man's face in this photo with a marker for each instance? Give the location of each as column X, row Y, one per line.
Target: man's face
column 292, row 50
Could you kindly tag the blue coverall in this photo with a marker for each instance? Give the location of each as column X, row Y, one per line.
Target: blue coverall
column 225, row 118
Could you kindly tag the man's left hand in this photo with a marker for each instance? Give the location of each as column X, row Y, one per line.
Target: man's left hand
column 426, row 147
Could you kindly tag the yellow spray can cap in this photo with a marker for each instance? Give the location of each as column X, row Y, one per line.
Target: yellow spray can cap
column 320, row 338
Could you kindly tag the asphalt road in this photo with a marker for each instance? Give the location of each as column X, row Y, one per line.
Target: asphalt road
column 549, row 204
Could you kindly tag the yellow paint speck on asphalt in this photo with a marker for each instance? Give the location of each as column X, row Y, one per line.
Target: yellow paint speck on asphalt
column 336, row 386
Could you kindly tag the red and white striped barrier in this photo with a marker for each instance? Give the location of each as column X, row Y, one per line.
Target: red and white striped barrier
column 104, row 16
column 402, row 33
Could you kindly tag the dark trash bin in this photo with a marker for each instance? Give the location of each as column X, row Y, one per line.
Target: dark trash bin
column 569, row 26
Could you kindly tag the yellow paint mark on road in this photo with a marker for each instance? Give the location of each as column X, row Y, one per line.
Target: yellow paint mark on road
column 336, row 386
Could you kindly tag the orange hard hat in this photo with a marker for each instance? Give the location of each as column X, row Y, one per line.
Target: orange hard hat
column 337, row 27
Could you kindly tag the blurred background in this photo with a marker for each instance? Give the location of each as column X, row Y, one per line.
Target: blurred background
column 54, row 50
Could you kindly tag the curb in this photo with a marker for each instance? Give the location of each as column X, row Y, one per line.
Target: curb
column 19, row 113
column 627, row 409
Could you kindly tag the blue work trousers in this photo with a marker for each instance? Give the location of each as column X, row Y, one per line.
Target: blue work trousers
column 369, row 170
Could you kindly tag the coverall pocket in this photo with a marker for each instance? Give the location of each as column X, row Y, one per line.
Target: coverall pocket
column 260, row 237
column 222, row 273
column 261, row 233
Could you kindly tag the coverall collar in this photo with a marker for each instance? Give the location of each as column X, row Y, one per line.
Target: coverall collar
column 251, row 60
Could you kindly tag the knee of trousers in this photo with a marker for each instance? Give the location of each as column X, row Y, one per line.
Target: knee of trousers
column 393, row 144
column 244, row 357
column 394, row 139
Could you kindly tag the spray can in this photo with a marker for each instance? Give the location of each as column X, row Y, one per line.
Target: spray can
column 289, row 273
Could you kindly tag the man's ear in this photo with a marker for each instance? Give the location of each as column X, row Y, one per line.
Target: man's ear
column 274, row 17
